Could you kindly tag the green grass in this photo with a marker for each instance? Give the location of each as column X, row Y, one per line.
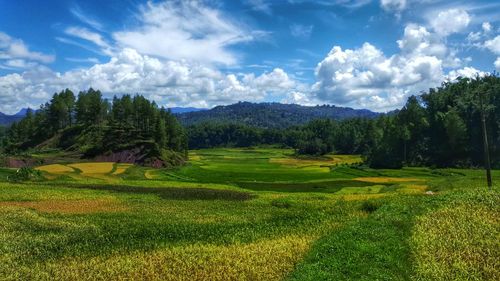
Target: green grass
column 250, row 214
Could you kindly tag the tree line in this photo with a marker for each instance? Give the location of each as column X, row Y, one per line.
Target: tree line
column 94, row 125
column 441, row 128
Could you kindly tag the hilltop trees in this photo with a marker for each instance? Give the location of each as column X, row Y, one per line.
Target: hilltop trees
column 94, row 126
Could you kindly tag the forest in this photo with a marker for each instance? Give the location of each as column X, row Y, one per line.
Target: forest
column 91, row 125
column 441, row 128
column 271, row 115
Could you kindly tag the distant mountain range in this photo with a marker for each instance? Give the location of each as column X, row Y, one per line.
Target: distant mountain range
column 6, row 119
column 271, row 115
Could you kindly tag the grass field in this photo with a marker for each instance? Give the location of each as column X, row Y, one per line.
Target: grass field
column 249, row 214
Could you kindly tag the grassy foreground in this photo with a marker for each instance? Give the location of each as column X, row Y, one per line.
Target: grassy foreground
column 249, row 214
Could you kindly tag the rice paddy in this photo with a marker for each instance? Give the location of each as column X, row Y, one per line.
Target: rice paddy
column 249, row 214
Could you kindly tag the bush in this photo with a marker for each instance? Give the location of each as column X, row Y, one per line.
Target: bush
column 370, row 206
column 25, row 174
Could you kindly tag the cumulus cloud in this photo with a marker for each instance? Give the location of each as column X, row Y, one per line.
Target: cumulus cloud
column 167, row 82
column 469, row 72
column 493, row 45
column 418, row 41
column 301, row 98
column 17, row 53
column 497, row 64
column 185, row 30
column 366, row 78
column 450, row 21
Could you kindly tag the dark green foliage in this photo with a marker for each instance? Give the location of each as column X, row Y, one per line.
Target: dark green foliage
column 370, row 206
column 440, row 128
column 92, row 126
column 271, row 115
column 175, row 193
column 25, row 174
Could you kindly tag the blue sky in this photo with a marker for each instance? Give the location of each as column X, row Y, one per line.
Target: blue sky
column 358, row 53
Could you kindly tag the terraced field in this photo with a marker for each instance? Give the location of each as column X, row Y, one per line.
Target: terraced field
column 249, row 214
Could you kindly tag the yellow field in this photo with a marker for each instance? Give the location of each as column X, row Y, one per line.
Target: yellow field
column 330, row 160
column 56, row 169
column 270, row 259
column 94, row 167
column 121, row 168
column 107, row 171
column 386, row 179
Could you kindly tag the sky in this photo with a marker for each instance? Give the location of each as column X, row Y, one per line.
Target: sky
column 370, row 54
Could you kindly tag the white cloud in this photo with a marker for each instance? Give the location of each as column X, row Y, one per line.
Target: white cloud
column 450, row 21
column 474, row 36
column 79, row 14
column 274, row 81
column 486, row 27
column 86, row 34
column 469, row 72
column 393, row 5
column 167, row 82
column 185, row 30
column 93, row 37
column 260, row 6
column 301, row 31
column 418, row 41
column 497, row 64
column 300, row 98
column 366, row 78
column 15, row 49
column 493, row 45
column 19, row 63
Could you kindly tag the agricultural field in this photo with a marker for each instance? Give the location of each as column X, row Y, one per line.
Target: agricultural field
column 249, row 214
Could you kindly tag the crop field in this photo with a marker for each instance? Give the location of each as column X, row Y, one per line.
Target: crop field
column 249, row 214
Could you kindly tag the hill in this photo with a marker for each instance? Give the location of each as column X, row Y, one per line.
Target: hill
column 126, row 129
column 271, row 115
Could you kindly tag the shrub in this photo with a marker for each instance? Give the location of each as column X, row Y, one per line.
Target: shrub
column 24, row 174
column 370, row 206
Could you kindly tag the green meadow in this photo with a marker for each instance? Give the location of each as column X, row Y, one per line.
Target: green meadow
column 249, row 214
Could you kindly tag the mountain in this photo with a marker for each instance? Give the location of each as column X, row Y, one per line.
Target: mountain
column 271, row 115
column 22, row 112
column 6, row 119
column 186, row 109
